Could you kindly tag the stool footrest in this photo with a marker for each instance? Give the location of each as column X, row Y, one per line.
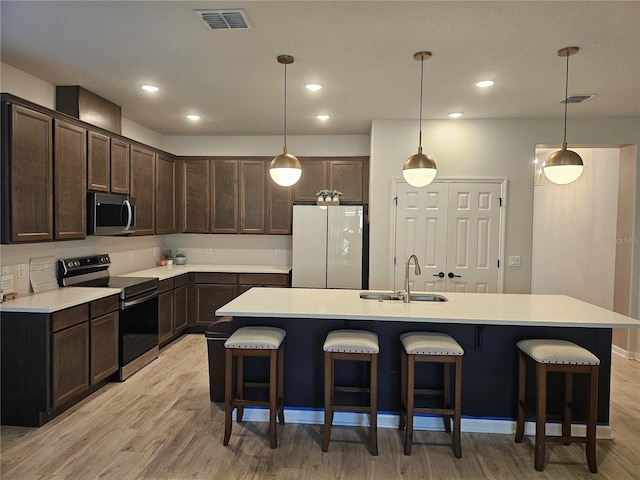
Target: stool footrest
column 351, row 408
column 352, row 389
column 256, row 384
column 438, row 411
column 564, row 439
column 428, row 391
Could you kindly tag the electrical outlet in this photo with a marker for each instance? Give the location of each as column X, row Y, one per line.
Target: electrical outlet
column 278, row 250
column 209, row 251
column 514, row 261
column 22, row 270
column 130, row 254
column 5, row 270
column 156, row 251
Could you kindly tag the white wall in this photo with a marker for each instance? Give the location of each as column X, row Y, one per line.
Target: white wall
column 574, row 231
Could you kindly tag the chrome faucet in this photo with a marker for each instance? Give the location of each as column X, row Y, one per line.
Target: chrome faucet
column 407, row 293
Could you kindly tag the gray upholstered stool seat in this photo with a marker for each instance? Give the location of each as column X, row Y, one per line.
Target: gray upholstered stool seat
column 254, row 342
column 552, row 355
column 352, row 345
column 351, row 341
column 430, row 347
column 267, row 338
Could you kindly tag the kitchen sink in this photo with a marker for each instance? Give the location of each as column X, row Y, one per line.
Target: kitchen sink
column 415, row 297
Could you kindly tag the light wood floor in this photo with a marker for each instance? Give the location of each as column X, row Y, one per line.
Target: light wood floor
column 159, row 424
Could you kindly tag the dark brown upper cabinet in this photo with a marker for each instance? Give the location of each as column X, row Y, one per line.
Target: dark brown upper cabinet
column 195, row 191
column 279, row 208
column 120, row 166
column 27, row 175
column 98, row 162
column 165, row 194
column 349, row 175
column 70, row 179
column 224, row 196
column 143, row 163
column 252, row 196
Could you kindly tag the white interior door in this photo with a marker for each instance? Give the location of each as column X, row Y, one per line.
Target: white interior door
column 421, row 228
column 473, row 237
column 454, row 229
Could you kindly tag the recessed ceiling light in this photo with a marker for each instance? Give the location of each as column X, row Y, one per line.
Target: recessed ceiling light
column 455, row 114
column 323, row 116
column 484, row 83
column 313, row 86
column 149, row 88
column 192, row 116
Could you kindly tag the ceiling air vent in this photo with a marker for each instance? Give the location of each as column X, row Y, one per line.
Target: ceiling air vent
column 224, row 19
column 577, row 98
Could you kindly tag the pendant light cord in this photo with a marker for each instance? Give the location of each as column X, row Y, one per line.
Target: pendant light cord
column 566, row 103
column 285, row 108
column 420, row 120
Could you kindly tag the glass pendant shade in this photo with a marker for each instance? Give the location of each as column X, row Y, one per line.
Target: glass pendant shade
column 285, row 169
column 563, row 167
column 419, row 170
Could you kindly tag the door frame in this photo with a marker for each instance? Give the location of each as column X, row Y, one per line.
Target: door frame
column 395, row 181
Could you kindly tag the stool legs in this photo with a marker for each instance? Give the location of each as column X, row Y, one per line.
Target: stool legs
column 541, row 438
column 329, row 396
column 237, row 401
column 408, row 392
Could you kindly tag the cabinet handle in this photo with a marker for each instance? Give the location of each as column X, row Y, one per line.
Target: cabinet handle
column 441, row 275
column 451, row 275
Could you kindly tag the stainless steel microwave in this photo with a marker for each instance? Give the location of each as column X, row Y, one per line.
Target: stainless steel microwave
column 110, row 214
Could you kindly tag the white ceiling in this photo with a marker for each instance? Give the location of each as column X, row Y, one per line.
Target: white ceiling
column 362, row 52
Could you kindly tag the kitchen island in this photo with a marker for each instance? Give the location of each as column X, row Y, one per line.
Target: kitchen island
column 487, row 326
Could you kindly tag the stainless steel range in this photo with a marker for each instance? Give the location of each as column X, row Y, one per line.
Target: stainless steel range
column 138, row 324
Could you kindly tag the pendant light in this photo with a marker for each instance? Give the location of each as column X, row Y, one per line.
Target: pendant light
column 564, row 166
column 285, row 169
column 419, row 170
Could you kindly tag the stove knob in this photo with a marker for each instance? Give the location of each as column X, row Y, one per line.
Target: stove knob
column 69, row 264
column 76, row 263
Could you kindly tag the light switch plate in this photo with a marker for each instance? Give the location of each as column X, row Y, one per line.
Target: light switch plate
column 514, row 261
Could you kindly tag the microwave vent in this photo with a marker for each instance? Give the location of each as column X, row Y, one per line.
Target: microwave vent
column 576, row 99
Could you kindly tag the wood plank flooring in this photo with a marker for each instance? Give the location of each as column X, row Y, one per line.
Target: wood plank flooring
column 159, row 424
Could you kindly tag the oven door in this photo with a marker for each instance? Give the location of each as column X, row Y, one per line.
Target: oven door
column 138, row 327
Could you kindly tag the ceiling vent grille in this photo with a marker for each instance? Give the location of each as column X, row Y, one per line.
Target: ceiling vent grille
column 577, row 99
column 224, row 19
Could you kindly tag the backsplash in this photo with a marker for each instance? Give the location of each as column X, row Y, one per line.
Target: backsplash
column 129, row 254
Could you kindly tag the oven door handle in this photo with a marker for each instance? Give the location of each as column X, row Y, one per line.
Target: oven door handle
column 137, row 301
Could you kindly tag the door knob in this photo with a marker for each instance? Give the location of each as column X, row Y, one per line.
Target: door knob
column 451, row 275
column 441, row 275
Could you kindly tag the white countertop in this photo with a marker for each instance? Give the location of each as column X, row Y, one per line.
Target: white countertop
column 58, row 299
column 468, row 308
column 65, row 297
column 169, row 271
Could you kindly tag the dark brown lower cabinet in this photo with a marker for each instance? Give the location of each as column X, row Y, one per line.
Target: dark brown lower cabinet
column 70, row 363
column 50, row 361
column 172, row 308
column 104, row 347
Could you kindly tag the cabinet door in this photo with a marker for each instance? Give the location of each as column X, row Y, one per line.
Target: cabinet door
column 196, row 196
column 210, row 297
column 70, row 180
column 165, row 195
column 279, row 209
column 120, row 166
column 224, row 196
column 70, row 363
column 28, row 199
column 315, row 177
column 165, row 316
column 104, row 346
column 143, row 164
column 252, row 196
column 180, row 307
column 98, row 162
column 346, row 176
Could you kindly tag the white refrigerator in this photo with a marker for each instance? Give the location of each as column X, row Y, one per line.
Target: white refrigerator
column 329, row 247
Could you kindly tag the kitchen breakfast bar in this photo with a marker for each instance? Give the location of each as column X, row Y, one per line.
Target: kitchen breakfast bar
column 487, row 326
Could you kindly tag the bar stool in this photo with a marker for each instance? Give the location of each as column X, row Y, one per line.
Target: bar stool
column 430, row 347
column 564, row 357
column 254, row 342
column 353, row 345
